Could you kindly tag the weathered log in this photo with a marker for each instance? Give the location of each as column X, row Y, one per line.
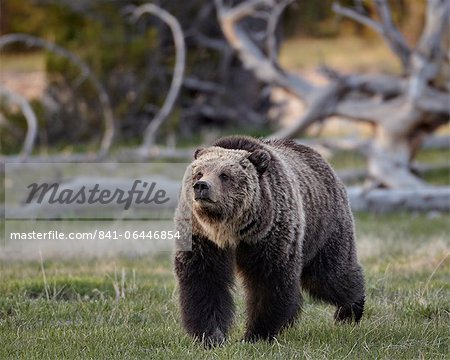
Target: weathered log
column 354, row 175
column 388, row 200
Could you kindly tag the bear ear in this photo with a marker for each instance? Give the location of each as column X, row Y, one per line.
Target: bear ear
column 198, row 152
column 260, row 159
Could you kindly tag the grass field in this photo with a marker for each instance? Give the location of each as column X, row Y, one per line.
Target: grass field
column 127, row 308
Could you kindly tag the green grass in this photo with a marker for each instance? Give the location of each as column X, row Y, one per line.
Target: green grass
column 78, row 312
column 438, row 176
column 434, row 156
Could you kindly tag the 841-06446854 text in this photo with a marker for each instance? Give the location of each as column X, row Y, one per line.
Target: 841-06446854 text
column 97, row 235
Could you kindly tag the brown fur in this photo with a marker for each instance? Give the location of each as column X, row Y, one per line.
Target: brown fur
column 277, row 212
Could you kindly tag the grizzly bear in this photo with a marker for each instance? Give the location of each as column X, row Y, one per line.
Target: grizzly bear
column 275, row 213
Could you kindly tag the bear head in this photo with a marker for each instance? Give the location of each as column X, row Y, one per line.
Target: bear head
column 225, row 186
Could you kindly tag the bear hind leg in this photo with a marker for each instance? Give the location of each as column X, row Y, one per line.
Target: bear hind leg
column 339, row 284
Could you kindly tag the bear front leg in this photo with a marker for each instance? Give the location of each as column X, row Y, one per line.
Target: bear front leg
column 205, row 277
column 273, row 294
column 270, row 307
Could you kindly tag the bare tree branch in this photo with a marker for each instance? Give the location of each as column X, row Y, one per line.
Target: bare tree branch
column 30, row 117
column 210, row 43
column 29, row 40
column 203, row 86
column 272, row 24
column 380, row 84
column 386, row 28
column 428, row 56
column 249, row 53
column 178, row 73
column 358, row 17
column 320, row 107
column 395, row 39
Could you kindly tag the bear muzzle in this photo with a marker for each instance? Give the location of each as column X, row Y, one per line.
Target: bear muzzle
column 202, row 191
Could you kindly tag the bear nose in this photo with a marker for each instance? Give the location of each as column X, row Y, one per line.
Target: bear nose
column 201, row 189
column 201, row 185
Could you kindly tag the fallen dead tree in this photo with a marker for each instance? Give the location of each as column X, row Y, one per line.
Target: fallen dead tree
column 402, row 110
column 358, row 175
column 387, row 200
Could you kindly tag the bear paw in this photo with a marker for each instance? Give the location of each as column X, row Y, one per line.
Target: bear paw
column 217, row 338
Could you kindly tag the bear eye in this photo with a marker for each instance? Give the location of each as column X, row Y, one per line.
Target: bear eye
column 224, row 177
column 198, row 176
